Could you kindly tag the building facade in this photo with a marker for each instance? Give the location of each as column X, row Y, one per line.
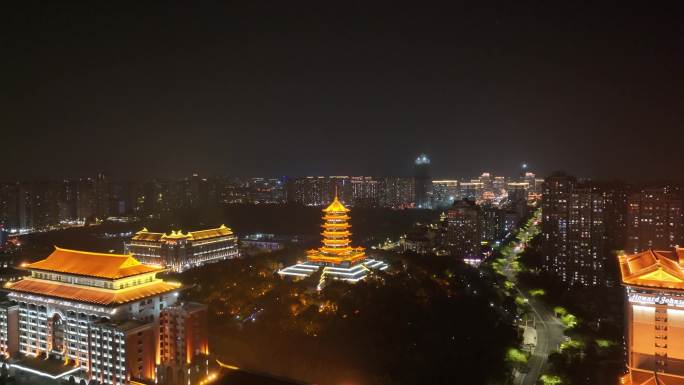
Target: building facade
column 463, row 229
column 98, row 316
column 179, row 252
column 423, row 182
column 654, row 220
column 573, row 231
column 654, row 299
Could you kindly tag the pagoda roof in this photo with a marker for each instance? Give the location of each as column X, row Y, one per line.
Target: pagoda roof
column 335, row 207
column 99, row 265
column 92, row 295
column 654, row 268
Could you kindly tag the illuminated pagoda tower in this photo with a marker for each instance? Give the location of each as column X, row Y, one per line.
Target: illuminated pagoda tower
column 337, row 258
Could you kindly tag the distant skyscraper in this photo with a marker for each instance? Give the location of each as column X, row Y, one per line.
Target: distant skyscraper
column 423, row 182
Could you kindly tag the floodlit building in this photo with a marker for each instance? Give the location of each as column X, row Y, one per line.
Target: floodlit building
column 654, row 286
column 101, row 317
column 337, row 258
column 179, row 252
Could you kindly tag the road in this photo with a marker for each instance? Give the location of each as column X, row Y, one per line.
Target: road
column 549, row 336
column 548, row 326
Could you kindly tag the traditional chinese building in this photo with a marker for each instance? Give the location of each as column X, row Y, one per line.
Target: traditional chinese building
column 337, row 258
column 178, row 251
column 101, row 317
column 654, row 285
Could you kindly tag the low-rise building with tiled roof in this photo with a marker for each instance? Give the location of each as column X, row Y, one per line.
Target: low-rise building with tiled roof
column 180, row 251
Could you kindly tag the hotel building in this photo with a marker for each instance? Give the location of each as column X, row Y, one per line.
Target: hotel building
column 654, row 286
column 337, row 258
column 179, row 252
column 101, row 317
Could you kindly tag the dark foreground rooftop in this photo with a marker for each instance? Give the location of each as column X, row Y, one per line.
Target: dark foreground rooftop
column 239, row 377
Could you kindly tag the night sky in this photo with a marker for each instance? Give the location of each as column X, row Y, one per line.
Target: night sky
column 299, row 88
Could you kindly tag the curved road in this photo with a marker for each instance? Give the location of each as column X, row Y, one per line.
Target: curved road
column 549, row 328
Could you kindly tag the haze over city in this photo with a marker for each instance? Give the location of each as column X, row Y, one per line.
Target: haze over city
column 243, row 88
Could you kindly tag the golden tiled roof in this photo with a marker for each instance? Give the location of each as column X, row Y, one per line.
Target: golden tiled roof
column 145, row 235
column 336, row 207
column 211, row 233
column 89, row 294
column 100, row 265
column 176, row 235
column 653, row 268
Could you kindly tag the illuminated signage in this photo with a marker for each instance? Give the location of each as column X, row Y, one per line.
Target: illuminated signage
column 656, row 300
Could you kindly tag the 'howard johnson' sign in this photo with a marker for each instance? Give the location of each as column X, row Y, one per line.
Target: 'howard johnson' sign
column 660, row 299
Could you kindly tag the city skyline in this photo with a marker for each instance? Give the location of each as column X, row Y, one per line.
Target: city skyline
column 350, row 193
column 247, row 89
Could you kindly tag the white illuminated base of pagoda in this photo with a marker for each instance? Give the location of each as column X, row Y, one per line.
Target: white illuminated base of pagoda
column 350, row 274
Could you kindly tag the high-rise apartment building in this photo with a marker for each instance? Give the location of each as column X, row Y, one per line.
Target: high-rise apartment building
column 397, row 192
column 463, row 232
column 364, row 191
column 654, row 220
column 573, row 231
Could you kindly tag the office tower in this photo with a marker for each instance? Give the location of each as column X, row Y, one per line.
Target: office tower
column 94, row 316
column 654, row 220
column 573, row 231
column 337, row 258
column 423, row 182
column 654, row 319
column 463, row 232
column 179, row 252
